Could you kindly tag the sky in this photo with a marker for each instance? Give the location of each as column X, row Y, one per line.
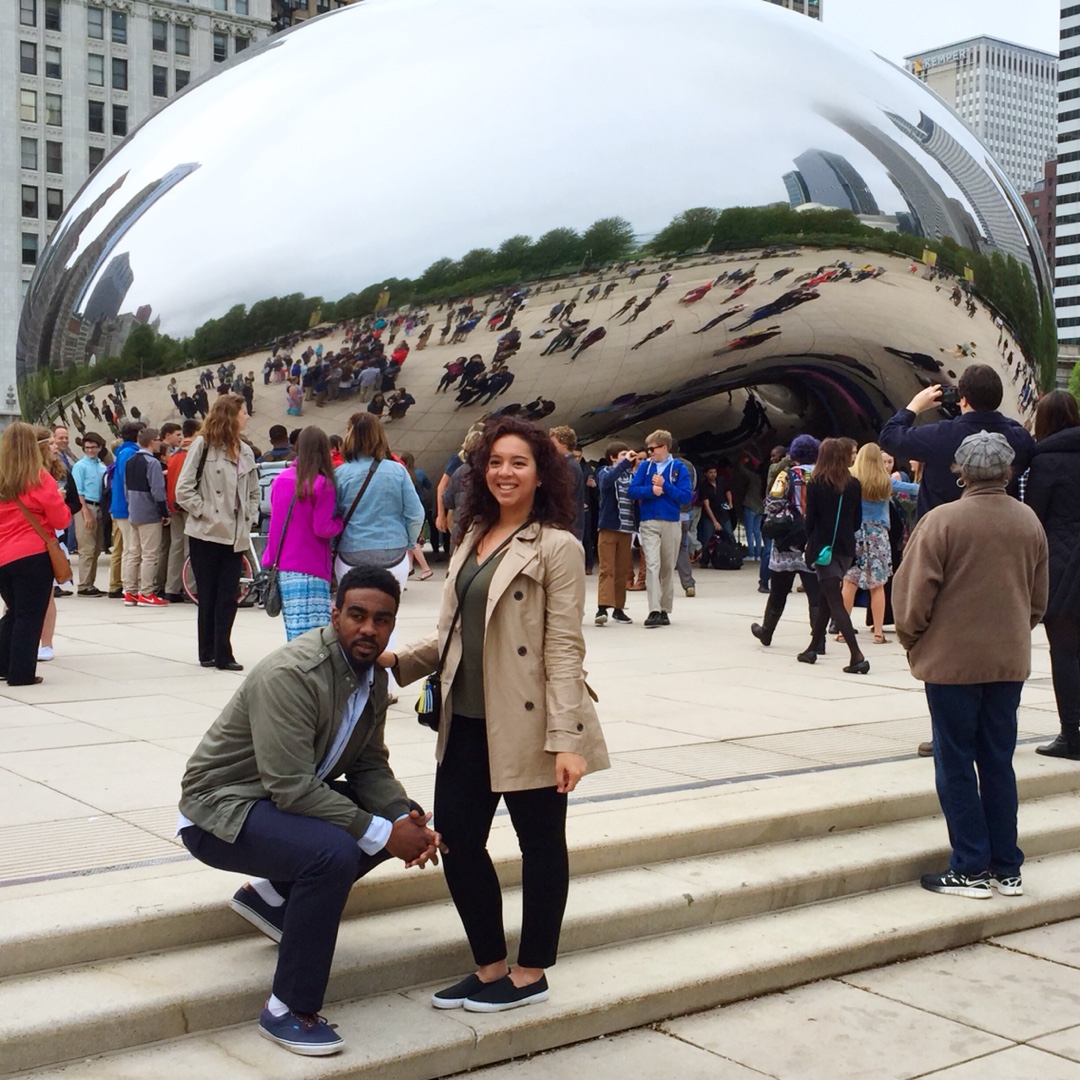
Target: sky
column 898, row 28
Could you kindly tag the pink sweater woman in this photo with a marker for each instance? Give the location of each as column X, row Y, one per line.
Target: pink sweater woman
column 301, row 551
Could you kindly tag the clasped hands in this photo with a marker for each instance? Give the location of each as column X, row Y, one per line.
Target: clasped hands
column 413, row 842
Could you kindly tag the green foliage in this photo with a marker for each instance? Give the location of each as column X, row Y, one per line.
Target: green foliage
column 689, row 231
column 1074, row 381
column 607, row 240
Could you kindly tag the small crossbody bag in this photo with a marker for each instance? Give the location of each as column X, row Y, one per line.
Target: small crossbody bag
column 824, row 556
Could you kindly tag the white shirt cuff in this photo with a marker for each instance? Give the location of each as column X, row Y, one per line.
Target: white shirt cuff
column 374, row 839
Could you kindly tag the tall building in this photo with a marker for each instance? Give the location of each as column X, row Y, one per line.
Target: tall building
column 1067, row 227
column 88, row 72
column 830, row 180
column 286, row 13
column 1040, row 202
column 1005, row 93
column 805, row 7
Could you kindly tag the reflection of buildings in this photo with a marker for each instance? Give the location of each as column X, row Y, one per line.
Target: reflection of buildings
column 996, row 217
column 806, row 7
column 1005, row 93
column 830, row 180
column 286, row 13
column 1067, row 226
column 1040, row 205
column 86, row 75
column 109, row 292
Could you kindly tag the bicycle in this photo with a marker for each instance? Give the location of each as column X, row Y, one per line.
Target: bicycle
column 253, row 577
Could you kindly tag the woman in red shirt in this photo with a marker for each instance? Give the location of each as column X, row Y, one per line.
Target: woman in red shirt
column 26, row 576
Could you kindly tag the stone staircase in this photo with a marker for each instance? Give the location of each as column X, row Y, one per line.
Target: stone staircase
column 733, row 891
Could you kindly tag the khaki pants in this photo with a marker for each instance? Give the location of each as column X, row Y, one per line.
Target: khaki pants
column 142, row 548
column 120, row 543
column 660, row 542
column 90, row 544
column 178, row 553
column 613, row 548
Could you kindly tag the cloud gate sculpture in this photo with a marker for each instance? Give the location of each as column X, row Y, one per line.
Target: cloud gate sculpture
column 756, row 227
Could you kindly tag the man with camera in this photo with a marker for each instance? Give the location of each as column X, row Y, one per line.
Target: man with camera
column 978, row 394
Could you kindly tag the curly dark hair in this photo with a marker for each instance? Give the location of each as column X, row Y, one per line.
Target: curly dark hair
column 554, row 501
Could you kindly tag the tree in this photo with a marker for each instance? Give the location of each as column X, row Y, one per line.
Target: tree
column 556, row 249
column 1074, row 381
column 693, row 228
column 514, row 253
column 476, row 262
column 607, row 240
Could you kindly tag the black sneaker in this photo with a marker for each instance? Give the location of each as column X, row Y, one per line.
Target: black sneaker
column 620, row 616
column 116, row 594
column 248, row 904
column 601, row 616
column 1007, row 884
column 653, row 619
column 975, row 886
column 302, row 1033
column 453, row 997
column 503, row 994
column 664, row 620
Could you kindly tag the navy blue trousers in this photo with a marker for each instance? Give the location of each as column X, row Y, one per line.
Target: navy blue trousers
column 974, row 740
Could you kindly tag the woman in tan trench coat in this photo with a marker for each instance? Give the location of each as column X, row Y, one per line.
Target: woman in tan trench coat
column 518, row 722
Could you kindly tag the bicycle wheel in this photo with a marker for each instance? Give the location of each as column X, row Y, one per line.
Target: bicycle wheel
column 247, row 580
column 187, row 578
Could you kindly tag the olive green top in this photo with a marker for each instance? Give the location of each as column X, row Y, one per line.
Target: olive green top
column 468, row 686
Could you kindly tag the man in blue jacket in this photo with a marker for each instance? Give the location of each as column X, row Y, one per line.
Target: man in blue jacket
column 662, row 485
column 118, row 504
column 935, row 445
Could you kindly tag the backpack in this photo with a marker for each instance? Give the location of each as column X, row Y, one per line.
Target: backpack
column 720, row 554
column 783, row 520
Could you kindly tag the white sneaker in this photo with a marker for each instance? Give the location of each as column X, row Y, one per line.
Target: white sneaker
column 45, row 652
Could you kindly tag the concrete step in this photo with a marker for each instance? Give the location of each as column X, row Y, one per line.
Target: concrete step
column 53, row 925
column 72, row 1012
column 397, row 1036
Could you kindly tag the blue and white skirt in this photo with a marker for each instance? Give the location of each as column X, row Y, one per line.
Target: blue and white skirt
column 305, row 602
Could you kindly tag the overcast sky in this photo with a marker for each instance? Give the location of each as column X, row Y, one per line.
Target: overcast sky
column 897, row 28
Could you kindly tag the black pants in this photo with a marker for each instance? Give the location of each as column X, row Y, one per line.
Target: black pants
column 464, row 808
column 832, row 603
column 217, row 578
column 26, row 588
column 781, row 583
column 1063, row 633
column 310, row 862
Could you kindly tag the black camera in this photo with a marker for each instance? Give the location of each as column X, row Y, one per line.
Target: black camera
column 950, row 395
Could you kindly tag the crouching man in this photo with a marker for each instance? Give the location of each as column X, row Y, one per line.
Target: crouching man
column 261, row 795
column 972, row 586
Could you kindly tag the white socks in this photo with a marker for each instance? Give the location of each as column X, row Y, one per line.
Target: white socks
column 276, row 1007
column 267, row 892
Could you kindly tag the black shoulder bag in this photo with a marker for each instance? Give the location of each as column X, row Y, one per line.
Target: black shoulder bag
column 355, row 504
column 272, row 595
column 429, row 706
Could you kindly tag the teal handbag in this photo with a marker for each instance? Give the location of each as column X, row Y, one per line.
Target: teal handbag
column 824, row 556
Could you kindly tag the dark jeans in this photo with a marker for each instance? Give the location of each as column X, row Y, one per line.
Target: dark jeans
column 26, row 587
column 310, row 862
column 974, row 740
column 464, row 808
column 217, row 578
column 764, row 574
column 1063, row 633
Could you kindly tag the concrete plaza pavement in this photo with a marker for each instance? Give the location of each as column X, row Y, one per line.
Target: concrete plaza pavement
column 90, row 762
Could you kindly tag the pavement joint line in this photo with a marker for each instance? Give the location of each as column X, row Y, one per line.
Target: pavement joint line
column 615, row 796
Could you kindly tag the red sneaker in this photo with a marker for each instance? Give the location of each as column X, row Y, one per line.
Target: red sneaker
column 151, row 600
column 130, row 599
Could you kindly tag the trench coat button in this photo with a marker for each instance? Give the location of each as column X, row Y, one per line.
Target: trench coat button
column 522, row 650
column 581, row 727
column 519, row 595
column 529, row 706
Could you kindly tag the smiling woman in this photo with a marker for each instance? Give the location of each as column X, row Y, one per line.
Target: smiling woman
column 519, row 723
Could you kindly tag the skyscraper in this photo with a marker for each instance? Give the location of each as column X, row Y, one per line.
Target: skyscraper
column 1067, row 226
column 830, row 180
column 1005, row 93
column 88, row 72
column 806, row 7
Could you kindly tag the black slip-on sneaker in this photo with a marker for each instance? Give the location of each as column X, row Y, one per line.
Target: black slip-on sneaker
column 503, row 994
column 453, row 997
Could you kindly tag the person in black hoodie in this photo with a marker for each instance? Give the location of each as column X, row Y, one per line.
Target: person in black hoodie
column 833, row 516
column 1053, row 492
column 935, row 445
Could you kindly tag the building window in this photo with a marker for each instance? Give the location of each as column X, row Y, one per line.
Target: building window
column 241, row 7
column 95, row 70
column 27, row 57
column 161, row 81
column 119, row 74
column 52, row 14
column 95, row 23
column 28, row 106
column 241, row 42
column 54, row 110
column 29, row 201
column 54, row 157
column 182, row 40
column 29, row 249
column 182, row 78
column 96, row 117
column 159, row 35
column 53, row 68
column 221, row 47
column 119, row 119
column 29, row 153
column 119, row 28
column 54, row 204
column 221, row 5
column 97, row 156
column 28, row 12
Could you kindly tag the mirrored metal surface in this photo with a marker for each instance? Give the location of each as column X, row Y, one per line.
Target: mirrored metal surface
column 760, row 228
